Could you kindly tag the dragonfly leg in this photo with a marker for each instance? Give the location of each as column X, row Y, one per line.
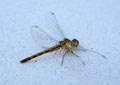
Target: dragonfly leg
column 75, row 54
column 78, row 56
column 63, row 57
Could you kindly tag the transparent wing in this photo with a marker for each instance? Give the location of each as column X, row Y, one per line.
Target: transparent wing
column 50, row 33
column 89, row 56
column 82, row 49
column 78, row 59
column 42, row 38
column 74, row 62
column 69, row 60
column 52, row 26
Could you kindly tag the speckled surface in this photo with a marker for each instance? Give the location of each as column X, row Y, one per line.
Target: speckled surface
column 96, row 23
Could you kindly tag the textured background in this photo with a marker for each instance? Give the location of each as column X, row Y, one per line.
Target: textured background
column 96, row 23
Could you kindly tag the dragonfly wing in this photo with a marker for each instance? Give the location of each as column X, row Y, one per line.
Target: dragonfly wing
column 82, row 49
column 73, row 62
column 50, row 33
column 69, row 60
column 42, row 38
column 52, row 27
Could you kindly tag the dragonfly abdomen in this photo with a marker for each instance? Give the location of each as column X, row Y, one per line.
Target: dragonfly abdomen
column 51, row 49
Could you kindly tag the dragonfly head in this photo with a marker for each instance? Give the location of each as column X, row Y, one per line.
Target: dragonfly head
column 75, row 43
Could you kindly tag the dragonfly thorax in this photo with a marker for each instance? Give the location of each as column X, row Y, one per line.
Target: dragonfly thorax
column 69, row 44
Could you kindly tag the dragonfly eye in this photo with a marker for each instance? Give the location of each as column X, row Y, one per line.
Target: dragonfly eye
column 72, row 44
column 75, row 42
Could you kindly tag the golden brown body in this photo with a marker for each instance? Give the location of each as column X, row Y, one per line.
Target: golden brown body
column 65, row 44
column 51, row 49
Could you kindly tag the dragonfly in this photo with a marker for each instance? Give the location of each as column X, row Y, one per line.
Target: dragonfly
column 65, row 44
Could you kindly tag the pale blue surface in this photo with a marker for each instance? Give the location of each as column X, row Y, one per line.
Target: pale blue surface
column 96, row 23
